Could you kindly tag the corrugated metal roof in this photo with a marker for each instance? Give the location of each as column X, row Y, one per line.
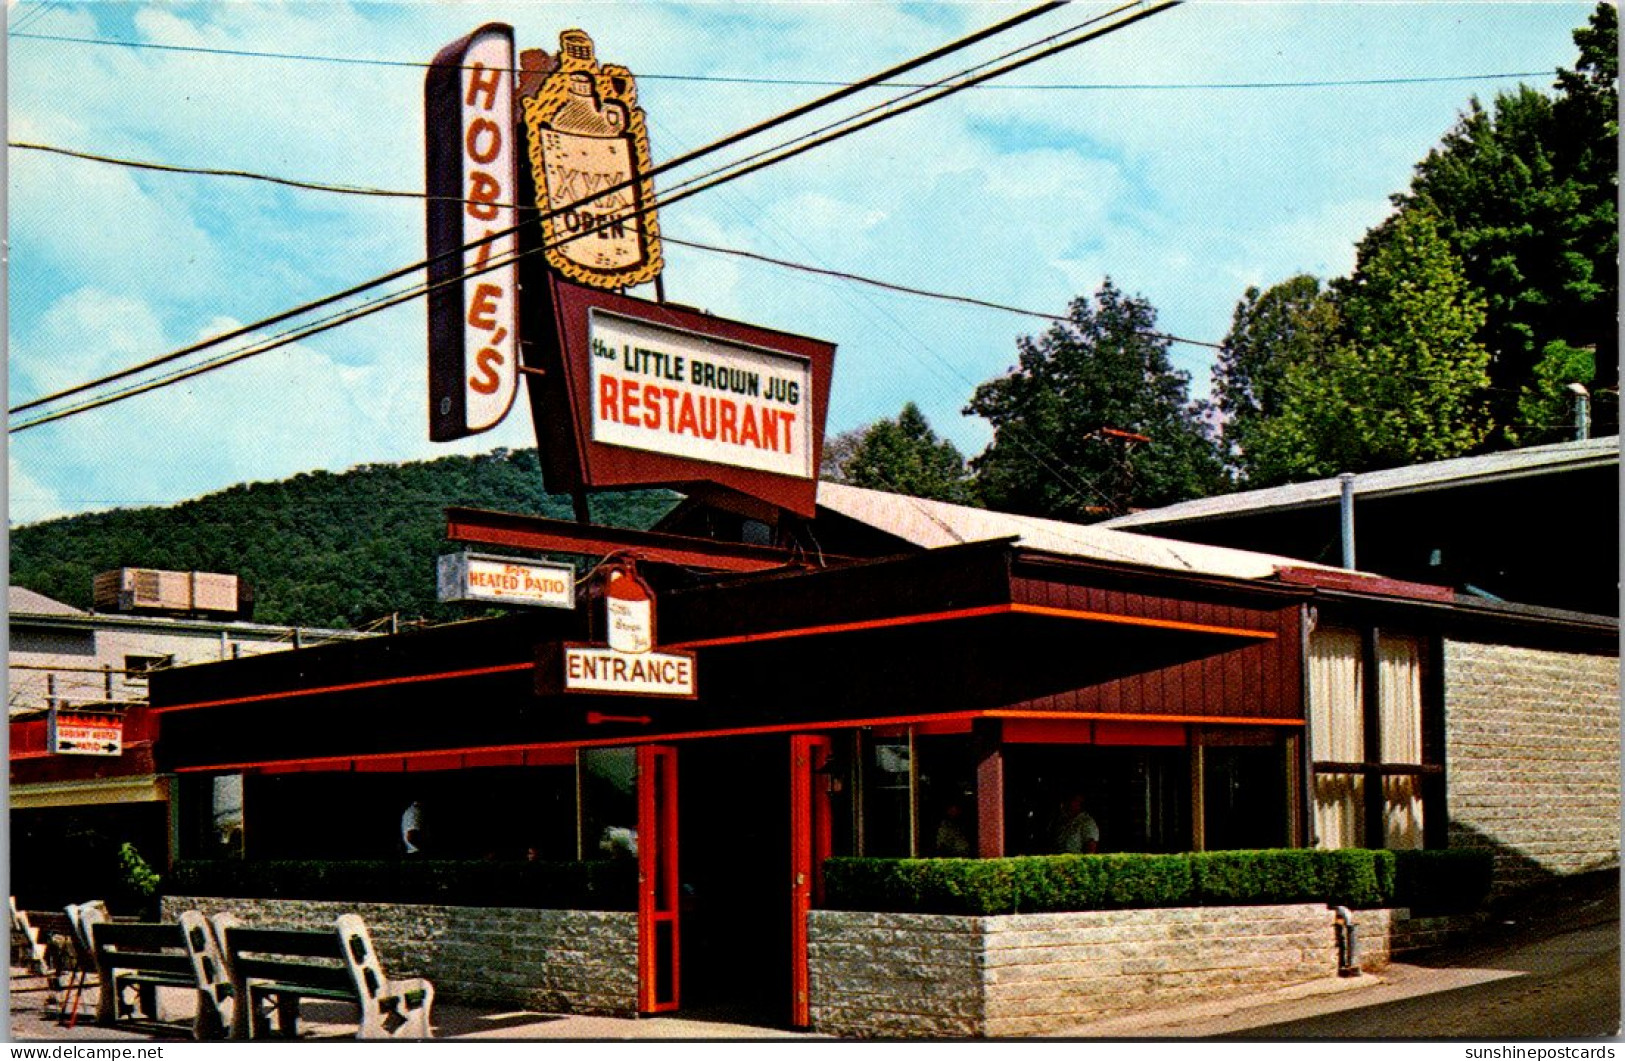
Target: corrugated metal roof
column 21, row 601
column 1435, row 475
column 938, row 524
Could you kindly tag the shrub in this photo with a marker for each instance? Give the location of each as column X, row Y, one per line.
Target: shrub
column 599, row 885
column 1426, row 880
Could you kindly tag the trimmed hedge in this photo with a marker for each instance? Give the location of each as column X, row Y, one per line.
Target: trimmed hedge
column 598, row 885
column 1429, row 881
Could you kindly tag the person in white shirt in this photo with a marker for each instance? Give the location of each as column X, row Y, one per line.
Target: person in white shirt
column 1078, row 834
column 412, row 829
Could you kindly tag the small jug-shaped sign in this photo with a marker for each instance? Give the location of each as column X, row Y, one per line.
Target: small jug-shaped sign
column 629, row 608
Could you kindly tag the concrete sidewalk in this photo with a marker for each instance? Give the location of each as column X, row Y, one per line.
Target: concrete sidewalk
column 1542, row 933
column 32, row 1020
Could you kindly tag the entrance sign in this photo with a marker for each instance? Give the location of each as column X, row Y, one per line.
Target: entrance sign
column 502, row 580
column 600, row 669
column 675, row 392
column 472, row 182
column 589, row 151
column 75, row 733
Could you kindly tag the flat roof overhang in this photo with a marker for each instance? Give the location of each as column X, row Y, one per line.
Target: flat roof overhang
column 937, row 635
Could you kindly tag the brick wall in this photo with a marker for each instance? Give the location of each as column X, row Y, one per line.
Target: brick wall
column 1532, row 759
column 552, row 961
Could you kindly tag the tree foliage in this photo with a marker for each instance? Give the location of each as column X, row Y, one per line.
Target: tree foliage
column 1523, row 195
column 1526, row 193
column 1404, row 384
column 904, row 456
column 319, row 549
column 1094, row 420
column 1293, row 323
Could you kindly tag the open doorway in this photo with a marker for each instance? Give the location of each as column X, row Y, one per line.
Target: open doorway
column 734, row 864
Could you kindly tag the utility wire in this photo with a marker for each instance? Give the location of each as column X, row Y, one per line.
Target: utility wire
column 350, row 189
column 396, row 274
column 802, row 82
column 905, row 289
column 669, row 200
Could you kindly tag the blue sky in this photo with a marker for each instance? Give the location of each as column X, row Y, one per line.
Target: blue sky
column 1026, row 194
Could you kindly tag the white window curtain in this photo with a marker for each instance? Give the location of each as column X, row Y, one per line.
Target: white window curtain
column 1399, row 700
column 1337, row 734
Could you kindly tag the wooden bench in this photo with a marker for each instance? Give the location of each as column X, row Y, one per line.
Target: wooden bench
column 134, row 960
column 28, row 947
column 277, row 968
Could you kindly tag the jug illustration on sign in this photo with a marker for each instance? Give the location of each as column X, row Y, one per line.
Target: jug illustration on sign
column 589, row 148
column 629, row 608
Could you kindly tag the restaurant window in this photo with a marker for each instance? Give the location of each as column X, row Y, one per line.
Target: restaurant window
column 608, row 804
column 919, row 796
column 1348, row 811
column 1399, row 695
column 1135, row 798
column 211, row 816
column 1337, row 736
column 1246, row 799
column 888, row 797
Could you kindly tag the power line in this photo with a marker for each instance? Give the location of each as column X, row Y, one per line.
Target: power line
column 350, row 189
column 905, row 289
column 386, row 302
column 199, row 171
column 800, row 82
column 493, row 237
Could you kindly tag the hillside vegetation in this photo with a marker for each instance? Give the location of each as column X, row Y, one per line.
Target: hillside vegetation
column 319, row 549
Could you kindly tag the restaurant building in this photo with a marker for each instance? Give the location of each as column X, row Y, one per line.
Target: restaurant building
column 942, row 681
column 82, row 781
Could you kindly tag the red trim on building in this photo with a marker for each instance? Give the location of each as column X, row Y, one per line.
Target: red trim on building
column 977, row 613
column 374, row 683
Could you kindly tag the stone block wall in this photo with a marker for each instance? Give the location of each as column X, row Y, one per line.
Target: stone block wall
column 923, row 975
column 896, row 975
column 935, row 976
column 1532, row 763
column 554, row 961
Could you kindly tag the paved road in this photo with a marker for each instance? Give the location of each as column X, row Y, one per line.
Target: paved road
column 1546, row 968
column 1564, row 987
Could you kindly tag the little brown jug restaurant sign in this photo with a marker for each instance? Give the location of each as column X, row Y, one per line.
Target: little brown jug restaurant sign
column 624, row 392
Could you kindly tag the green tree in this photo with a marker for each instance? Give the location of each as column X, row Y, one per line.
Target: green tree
column 904, row 456
column 1406, row 383
column 1292, row 323
column 1094, row 420
column 1526, row 193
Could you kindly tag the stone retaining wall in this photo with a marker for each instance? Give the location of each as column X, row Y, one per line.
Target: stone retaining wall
column 926, row 975
column 551, row 961
column 1532, row 745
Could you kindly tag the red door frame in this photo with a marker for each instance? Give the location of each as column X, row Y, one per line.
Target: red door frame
column 657, row 879
column 809, row 847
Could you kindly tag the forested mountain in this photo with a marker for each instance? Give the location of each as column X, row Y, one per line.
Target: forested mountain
column 319, row 549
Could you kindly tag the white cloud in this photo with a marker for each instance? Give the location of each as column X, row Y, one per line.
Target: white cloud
column 1025, row 197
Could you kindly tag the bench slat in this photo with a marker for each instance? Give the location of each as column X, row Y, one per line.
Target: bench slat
column 293, row 973
column 240, row 940
column 138, row 936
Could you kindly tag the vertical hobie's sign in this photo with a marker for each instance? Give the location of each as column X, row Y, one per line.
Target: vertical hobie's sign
column 589, row 156
column 472, row 184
